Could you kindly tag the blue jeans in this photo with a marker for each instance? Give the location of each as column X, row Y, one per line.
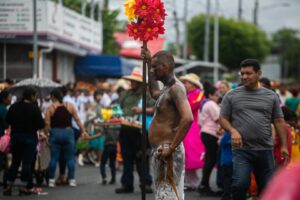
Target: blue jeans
column 62, row 141
column 23, row 149
column 261, row 163
column 62, row 160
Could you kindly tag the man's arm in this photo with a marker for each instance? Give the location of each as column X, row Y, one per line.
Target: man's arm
column 279, row 124
column 153, row 84
column 186, row 117
column 235, row 135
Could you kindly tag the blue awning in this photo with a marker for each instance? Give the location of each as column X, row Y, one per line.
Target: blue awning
column 103, row 66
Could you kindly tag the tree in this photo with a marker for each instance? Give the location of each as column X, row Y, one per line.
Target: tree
column 110, row 25
column 286, row 43
column 238, row 40
column 109, row 19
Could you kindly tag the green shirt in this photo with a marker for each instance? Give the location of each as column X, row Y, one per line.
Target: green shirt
column 292, row 103
column 130, row 98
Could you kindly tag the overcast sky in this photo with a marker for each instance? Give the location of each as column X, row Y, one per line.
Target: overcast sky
column 272, row 14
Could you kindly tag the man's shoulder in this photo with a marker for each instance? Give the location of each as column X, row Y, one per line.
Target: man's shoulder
column 268, row 92
column 235, row 91
column 177, row 86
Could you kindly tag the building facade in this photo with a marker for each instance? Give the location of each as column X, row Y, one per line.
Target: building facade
column 63, row 36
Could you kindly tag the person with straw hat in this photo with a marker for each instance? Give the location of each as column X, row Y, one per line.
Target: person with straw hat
column 194, row 148
column 131, row 140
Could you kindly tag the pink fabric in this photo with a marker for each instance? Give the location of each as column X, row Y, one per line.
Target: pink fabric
column 285, row 185
column 5, row 141
column 194, row 148
column 210, row 113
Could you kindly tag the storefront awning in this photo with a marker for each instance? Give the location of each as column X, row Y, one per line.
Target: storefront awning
column 103, row 66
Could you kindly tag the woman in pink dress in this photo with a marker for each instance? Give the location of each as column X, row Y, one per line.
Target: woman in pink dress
column 194, row 148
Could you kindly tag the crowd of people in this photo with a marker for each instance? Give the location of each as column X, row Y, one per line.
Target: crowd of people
column 243, row 131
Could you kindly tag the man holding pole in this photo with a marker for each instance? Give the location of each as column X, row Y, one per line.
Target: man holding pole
column 171, row 121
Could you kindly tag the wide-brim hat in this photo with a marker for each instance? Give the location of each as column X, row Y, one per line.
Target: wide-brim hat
column 136, row 75
column 193, row 78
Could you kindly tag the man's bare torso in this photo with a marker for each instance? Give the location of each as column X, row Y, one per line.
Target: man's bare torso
column 166, row 117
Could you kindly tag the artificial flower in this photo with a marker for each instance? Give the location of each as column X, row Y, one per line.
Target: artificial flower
column 133, row 30
column 144, row 8
column 150, row 30
column 129, row 9
column 147, row 19
column 159, row 12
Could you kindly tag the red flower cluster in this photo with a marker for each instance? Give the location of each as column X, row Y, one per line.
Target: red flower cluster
column 150, row 20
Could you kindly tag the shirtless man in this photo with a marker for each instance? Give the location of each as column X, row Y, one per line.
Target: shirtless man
column 171, row 121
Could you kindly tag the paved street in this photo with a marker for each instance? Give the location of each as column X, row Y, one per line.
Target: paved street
column 89, row 188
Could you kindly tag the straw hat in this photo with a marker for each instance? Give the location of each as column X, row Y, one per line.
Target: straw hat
column 136, row 75
column 193, row 78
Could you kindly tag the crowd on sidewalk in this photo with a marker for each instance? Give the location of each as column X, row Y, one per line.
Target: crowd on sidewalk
column 236, row 131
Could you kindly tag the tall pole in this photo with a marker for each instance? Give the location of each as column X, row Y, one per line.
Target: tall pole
column 144, row 135
column 35, row 40
column 83, row 7
column 240, row 9
column 92, row 9
column 185, row 45
column 176, row 25
column 206, row 34
column 216, row 43
column 100, row 13
column 4, row 60
column 255, row 13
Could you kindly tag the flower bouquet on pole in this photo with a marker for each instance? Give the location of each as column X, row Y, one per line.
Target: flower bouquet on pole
column 146, row 22
column 146, row 19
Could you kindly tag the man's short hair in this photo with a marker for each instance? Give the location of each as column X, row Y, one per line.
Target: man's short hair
column 251, row 63
column 165, row 56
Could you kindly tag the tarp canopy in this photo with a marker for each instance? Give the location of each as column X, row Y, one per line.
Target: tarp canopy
column 103, row 66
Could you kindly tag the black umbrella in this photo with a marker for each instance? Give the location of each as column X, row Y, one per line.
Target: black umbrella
column 43, row 86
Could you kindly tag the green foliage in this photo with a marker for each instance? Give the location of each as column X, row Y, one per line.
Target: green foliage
column 286, row 43
column 73, row 5
column 238, row 40
column 110, row 25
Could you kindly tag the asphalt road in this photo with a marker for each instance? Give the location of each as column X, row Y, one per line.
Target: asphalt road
column 89, row 188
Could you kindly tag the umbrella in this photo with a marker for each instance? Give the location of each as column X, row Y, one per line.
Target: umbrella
column 43, row 86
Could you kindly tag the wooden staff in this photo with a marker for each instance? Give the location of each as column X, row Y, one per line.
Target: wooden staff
column 144, row 135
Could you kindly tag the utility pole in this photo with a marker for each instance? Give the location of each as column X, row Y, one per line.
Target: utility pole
column 216, row 44
column 100, row 10
column 240, row 9
column 35, row 40
column 206, row 33
column 83, row 7
column 255, row 13
column 100, row 13
column 92, row 13
column 185, row 45
column 176, row 25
